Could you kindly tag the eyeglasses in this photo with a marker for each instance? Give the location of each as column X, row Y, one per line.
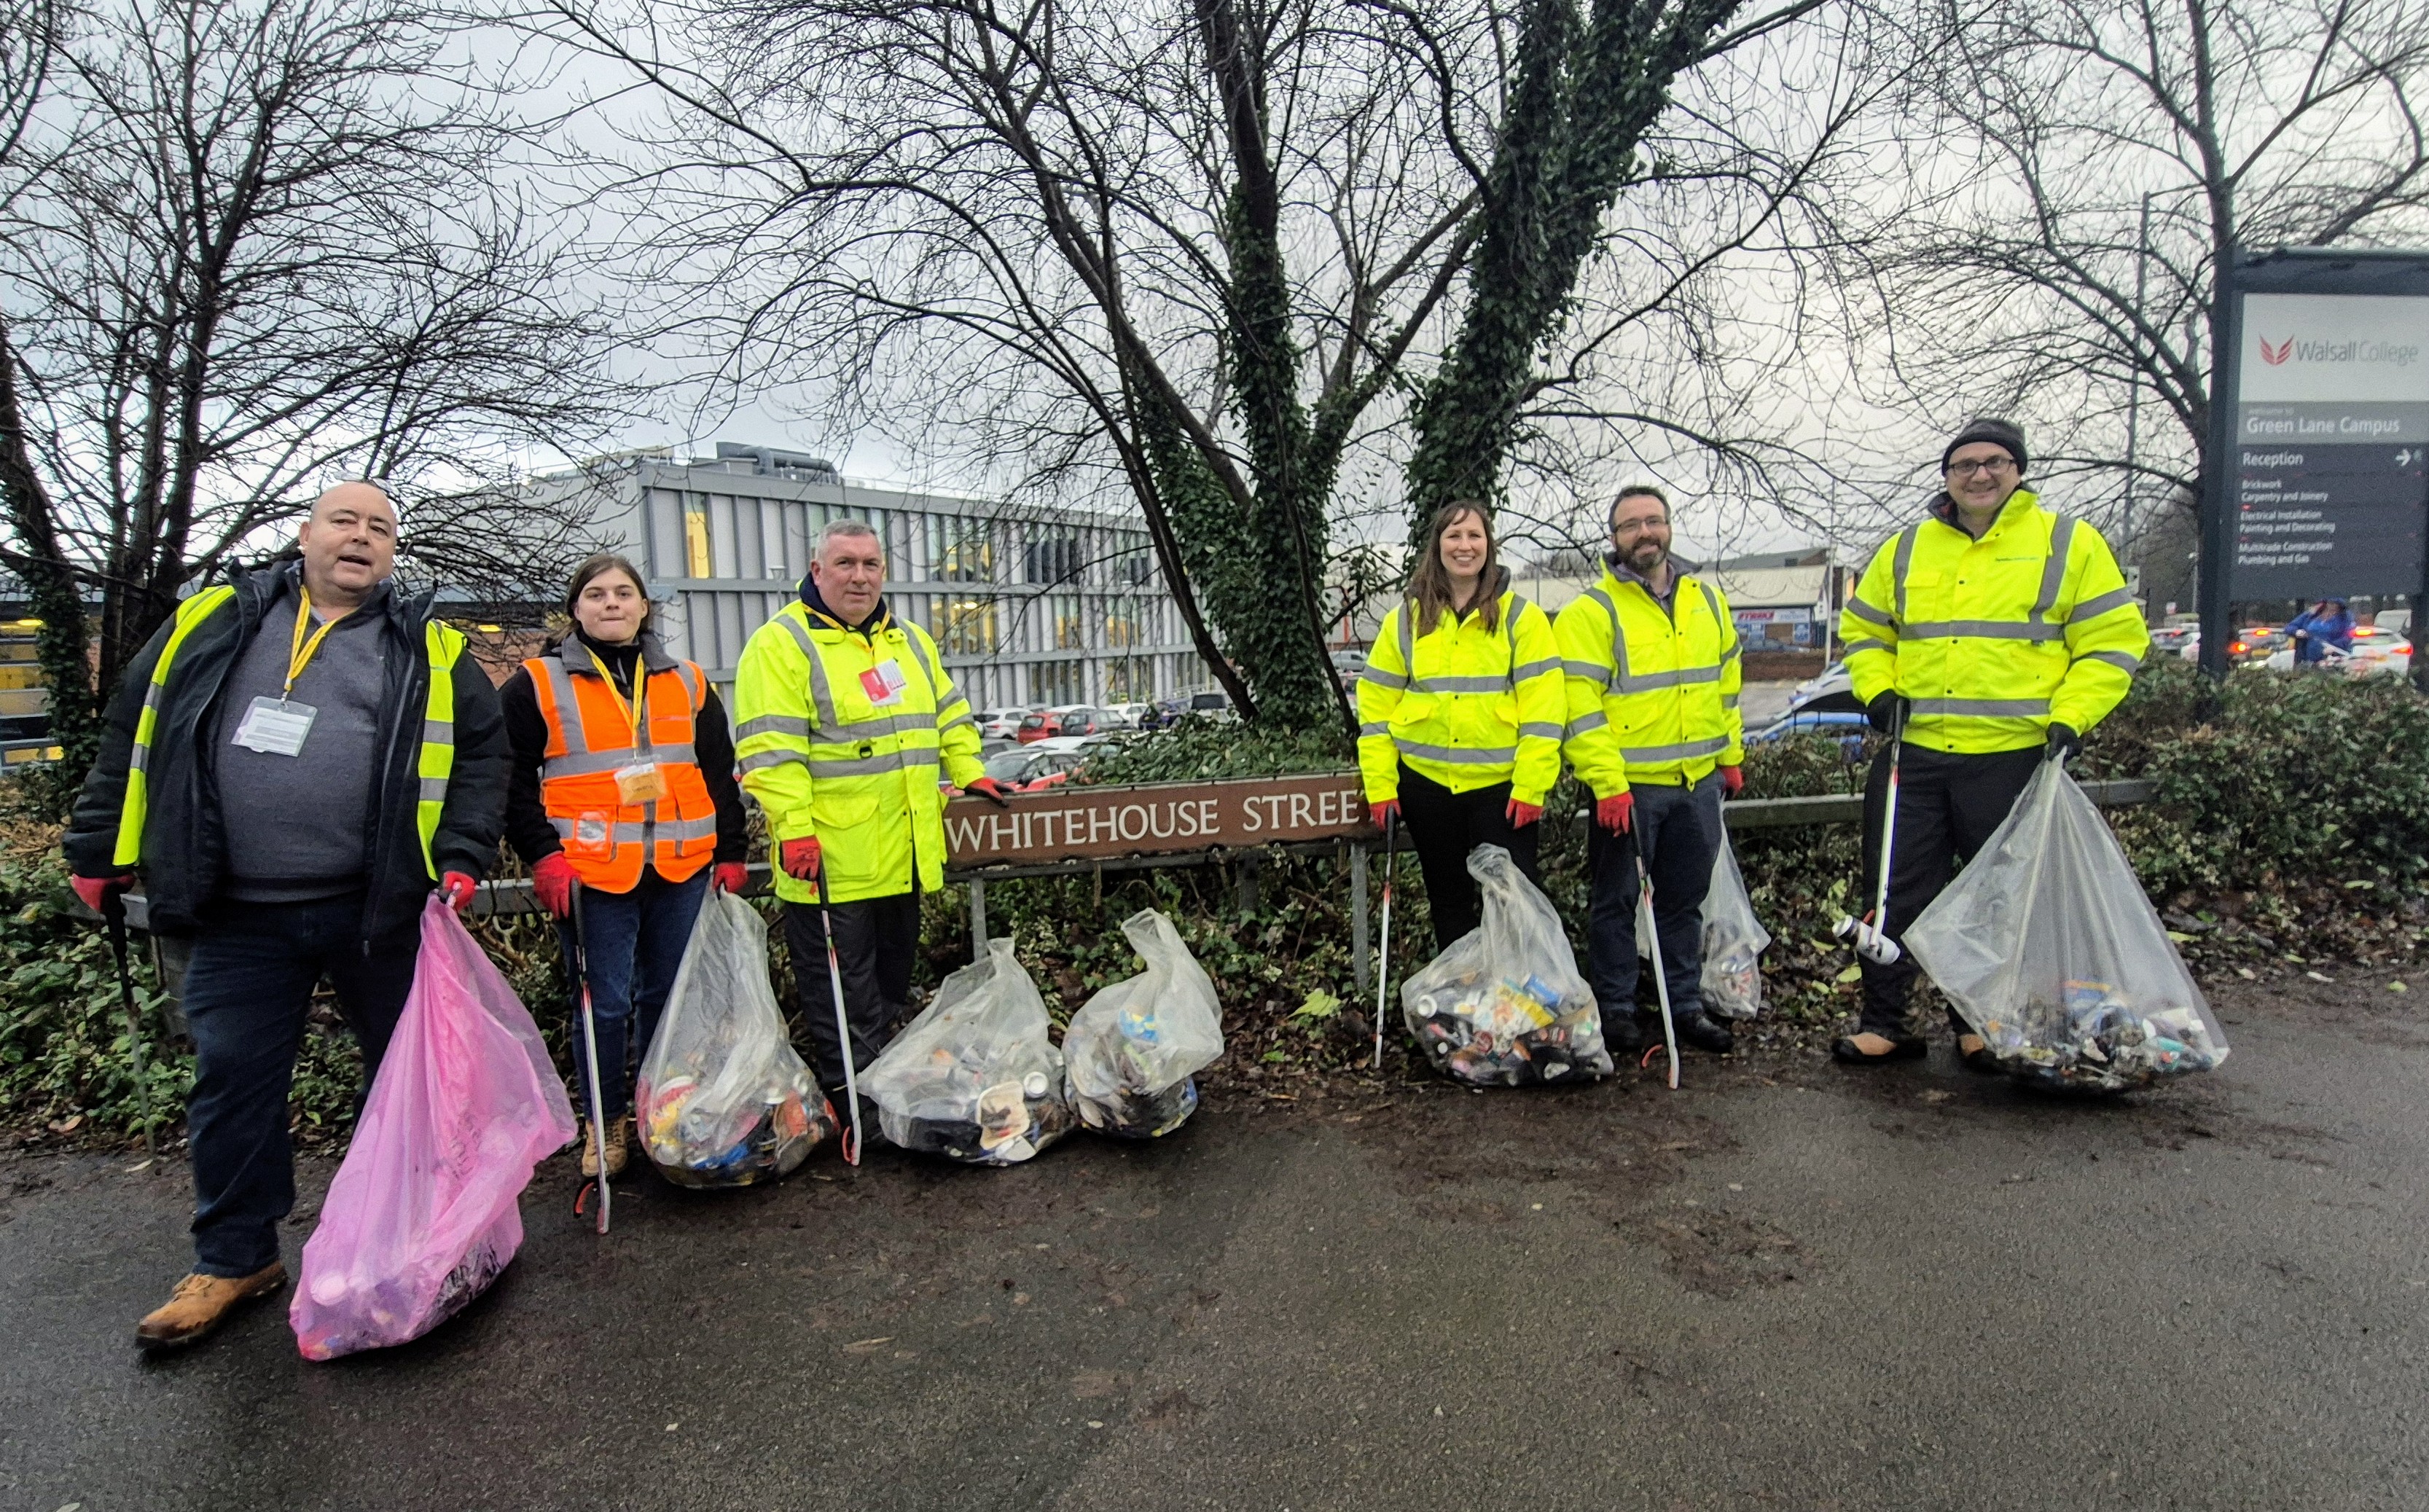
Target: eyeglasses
column 1986, row 466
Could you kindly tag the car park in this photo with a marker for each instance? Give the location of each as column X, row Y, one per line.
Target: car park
column 1003, row 724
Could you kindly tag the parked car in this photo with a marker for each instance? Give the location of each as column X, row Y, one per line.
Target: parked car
column 1042, row 764
column 1121, row 715
column 1003, row 724
column 1832, row 692
column 1064, row 719
column 2170, row 640
column 1214, row 705
column 1850, row 726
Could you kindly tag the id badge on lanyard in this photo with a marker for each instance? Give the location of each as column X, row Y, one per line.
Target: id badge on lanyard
column 884, row 683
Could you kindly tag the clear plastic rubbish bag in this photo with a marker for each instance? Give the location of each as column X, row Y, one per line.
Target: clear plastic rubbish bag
column 722, row 1098
column 2049, row 949
column 1504, row 1006
column 1134, row 1049
column 974, row 1077
column 422, row 1214
column 1734, row 941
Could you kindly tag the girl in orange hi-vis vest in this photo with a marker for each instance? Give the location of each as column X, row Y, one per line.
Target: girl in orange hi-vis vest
column 622, row 780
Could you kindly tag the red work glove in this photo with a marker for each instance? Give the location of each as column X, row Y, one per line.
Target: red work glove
column 1732, row 781
column 457, row 888
column 553, row 883
column 799, row 858
column 1382, row 809
column 1616, row 812
column 94, row 890
column 991, row 790
column 728, row 876
column 1522, row 815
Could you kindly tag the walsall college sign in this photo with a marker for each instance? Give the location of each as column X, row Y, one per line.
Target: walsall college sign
column 1067, row 823
column 2319, row 483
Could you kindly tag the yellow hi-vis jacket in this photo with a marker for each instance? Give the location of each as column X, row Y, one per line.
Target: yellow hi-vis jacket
column 839, row 735
column 1997, row 639
column 1652, row 694
column 1464, row 706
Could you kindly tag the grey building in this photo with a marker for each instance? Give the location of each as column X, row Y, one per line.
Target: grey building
column 1028, row 604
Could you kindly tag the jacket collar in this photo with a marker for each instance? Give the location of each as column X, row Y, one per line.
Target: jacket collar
column 821, row 618
column 1943, row 509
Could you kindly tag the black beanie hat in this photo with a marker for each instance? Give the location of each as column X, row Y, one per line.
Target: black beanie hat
column 1998, row 432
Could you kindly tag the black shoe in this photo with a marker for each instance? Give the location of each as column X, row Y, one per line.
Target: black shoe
column 1621, row 1037
column 1701, row 1032
column 1979, row 1058
column 1846, row 1051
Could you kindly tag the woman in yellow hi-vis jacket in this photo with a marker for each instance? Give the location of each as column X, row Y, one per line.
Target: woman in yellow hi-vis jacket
column 1460, row 713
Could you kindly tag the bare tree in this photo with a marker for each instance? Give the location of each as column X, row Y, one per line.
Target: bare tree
column 256, row 247
column 2081, row 172
column 1207, row 253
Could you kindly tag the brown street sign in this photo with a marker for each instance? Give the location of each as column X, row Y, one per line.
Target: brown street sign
column 1067, row 823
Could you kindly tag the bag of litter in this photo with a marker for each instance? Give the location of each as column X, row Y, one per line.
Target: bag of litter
column 1133, row 1050
column 422, row 1214
column 1504, row 1006
column 974, row 1077
column 1734, row 941
column 2049, row 949
column 722, row 1098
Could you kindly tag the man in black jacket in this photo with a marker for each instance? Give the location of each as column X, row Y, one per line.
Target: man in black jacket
column 293, row 764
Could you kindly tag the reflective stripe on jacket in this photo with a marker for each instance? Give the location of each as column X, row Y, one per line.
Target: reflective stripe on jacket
column 606, row 839
column 1994, row 640
column 824, row 758
column 1652, row 694
column 435, row 763
column 1464, row 706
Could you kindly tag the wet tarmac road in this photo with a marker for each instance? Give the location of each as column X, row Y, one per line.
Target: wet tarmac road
column 1786, row 1287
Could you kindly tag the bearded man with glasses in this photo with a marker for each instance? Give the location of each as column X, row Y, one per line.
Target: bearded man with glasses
column 1985, row 639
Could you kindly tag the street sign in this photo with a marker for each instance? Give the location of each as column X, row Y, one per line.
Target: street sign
column 1066, row 823
column 2318, row 477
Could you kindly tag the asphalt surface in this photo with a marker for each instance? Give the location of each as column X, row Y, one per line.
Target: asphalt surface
column 1788, row 1286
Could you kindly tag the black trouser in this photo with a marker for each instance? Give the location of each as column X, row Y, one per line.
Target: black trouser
column 1443, row 826
column 1677, row 831
column 875, row 939
column 1948, row 805
column 247, row 992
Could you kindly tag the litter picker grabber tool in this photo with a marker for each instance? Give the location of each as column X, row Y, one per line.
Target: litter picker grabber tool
column 1869, row 934
column 597, row 1099
column 843, row 1023
column 1660, row 972
column 1383, row 975
column 114, row 912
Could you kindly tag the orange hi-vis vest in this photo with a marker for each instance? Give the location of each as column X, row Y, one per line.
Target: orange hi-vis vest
column 617, row 796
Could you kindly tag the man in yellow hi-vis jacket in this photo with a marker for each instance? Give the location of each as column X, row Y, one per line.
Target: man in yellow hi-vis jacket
column 847, row 726
column 1651, row 658
column 1993, row 633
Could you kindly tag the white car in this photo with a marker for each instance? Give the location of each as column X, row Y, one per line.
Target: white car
column 1121, row 715
column 1002, row 724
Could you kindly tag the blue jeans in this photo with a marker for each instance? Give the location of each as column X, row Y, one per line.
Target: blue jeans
column 636, row 941
column 247, row 990
column 1678, row 833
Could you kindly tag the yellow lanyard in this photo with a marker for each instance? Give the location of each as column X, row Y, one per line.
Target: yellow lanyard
column 638, row 709
column 299, row 650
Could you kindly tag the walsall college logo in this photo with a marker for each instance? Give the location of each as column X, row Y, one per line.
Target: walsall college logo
column 2275, row 356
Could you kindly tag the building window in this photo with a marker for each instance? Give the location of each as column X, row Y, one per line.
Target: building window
column 1055, row 560
column 969, row 627
column 968, row 555
column 698, row 560
column 1056, row 683
column 1122, row 625
column 1070, row 633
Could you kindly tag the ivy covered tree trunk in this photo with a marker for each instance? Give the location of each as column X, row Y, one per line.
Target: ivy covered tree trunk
column 1585, row 92
column 61, row 648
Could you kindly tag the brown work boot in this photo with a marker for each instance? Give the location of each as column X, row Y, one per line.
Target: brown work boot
column 618, row 1147
column 202, row 1302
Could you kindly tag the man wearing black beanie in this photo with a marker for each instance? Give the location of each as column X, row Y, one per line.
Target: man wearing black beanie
column 1986, row 637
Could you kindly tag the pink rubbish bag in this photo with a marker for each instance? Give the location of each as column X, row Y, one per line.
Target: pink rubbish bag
column 424, row 1214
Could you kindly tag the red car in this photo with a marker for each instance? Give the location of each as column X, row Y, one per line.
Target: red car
column 1045, row 724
